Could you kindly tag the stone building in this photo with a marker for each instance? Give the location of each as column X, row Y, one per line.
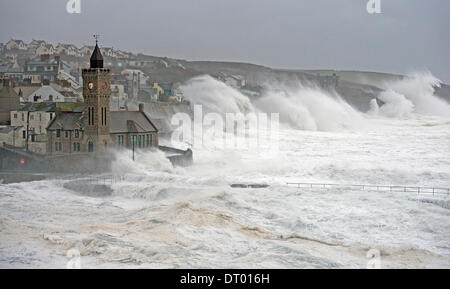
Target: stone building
column 36, row 117
column 96, row 128
column 9, row 100
column 13, row 136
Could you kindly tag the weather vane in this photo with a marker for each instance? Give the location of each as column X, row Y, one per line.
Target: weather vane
column 96, row 36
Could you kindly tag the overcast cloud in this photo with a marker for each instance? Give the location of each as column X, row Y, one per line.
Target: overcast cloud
column 338, row 34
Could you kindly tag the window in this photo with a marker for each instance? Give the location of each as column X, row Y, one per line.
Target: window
column 32, row 117
column 15, row 115
column 140, row 141
column 67, row 134
column 24, row 135
column 58, row 146
column 23, row 116
column 51, row 116
column 120, row 141
column 133, row 141
column 91, row 115
column 77, row 133
column 58, row 133
column 149, row 140
column 90, row 147
column 76, row 146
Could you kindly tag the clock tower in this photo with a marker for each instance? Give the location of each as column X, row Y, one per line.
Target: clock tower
column 96, row 94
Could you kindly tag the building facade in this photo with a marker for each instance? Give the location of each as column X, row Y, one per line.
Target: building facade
column 45, row 69
column 9, row 100
column 96, row 129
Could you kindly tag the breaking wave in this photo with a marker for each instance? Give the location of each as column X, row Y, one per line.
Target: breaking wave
column 299, row 107
column 413, row 94
column 311, row 108
column 216, row 96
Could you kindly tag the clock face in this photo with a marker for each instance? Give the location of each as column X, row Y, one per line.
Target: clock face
column 91, row 85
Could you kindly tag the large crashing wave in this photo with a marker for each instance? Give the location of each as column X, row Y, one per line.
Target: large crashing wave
column 216, row 96
column 311, row 108
column 413, row 94
column 299, row 107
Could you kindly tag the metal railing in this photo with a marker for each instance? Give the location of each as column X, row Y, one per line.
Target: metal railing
column 378, row 188
column 104, row 180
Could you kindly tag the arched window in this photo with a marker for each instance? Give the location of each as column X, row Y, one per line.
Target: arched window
column 90, row 147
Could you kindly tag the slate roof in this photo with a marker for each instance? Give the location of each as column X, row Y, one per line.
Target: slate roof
column 67, row 121
column 163, row 125
column 120, row 121
column 8, row 129
column 8, row 92
column 46, row 91
column 26, row 90
column 130, row 121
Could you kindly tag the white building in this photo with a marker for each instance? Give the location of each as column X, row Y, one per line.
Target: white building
column 36, row 43
column 68, row 49
column 16, row 44
column 47, row 94
column 45, row 49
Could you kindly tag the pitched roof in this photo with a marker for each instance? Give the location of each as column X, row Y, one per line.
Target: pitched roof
column 26, row 90
column 67, row 121
column 130, row 121
column 46, row 91
column 162, row 124
column 8, row 92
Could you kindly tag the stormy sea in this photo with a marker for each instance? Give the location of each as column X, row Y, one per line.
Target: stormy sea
column 150, row 214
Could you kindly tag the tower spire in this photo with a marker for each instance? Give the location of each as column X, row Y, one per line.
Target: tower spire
column 96, row 58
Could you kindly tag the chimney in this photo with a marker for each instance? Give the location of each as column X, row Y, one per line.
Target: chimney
column 6, row 81
column 58, row 110
column 141, row 107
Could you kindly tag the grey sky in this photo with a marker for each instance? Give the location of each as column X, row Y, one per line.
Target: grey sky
column 409, row 34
